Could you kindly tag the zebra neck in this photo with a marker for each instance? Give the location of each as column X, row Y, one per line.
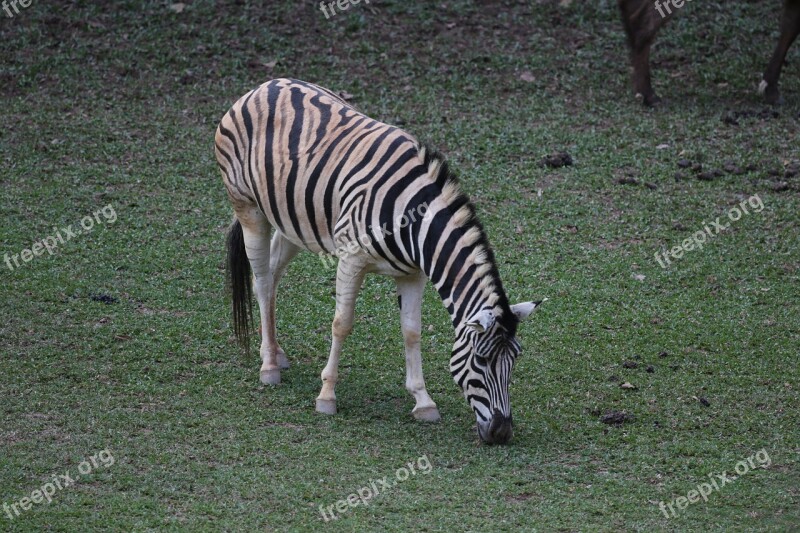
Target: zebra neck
column 462, row 268
column 451, row 248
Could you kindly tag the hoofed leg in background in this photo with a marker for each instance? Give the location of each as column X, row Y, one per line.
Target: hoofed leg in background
column 790, row 27
column 349, row 277
column 642, row 20
column 282, row 251
column 409, row 293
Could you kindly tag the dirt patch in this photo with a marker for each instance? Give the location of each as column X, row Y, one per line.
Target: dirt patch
column 519, row 498
column 557, row 160
column 617, row 418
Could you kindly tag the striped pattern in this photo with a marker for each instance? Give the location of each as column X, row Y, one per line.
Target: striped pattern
column 297, row 158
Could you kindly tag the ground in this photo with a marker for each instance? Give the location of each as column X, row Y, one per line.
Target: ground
column 637, row 383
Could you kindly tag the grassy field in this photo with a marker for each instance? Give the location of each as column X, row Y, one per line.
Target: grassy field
column 120, row 340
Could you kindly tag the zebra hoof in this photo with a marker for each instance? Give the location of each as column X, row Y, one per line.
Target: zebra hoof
column 427, row 414
column 326, row 407
column 270, row 377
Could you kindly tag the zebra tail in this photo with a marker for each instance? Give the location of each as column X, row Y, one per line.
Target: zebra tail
column 239, row 282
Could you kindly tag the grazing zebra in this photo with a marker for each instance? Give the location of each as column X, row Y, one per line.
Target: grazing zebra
column 298, row 159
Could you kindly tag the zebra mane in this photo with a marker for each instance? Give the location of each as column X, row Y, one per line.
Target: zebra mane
column 440, row 171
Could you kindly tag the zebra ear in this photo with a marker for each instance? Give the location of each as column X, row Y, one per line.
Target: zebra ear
column 482, row 320
column 524, row 310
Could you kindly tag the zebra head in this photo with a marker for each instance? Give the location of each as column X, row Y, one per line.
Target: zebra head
column 481, row 364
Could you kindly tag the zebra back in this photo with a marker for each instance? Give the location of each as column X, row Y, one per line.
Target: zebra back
column 333, row 180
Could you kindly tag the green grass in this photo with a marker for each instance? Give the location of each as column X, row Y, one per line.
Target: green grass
column 116, row 103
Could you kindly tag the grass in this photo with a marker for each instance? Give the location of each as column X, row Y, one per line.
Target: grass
column 116, row 104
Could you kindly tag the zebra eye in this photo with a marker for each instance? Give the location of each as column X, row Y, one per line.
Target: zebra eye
column 481, row 360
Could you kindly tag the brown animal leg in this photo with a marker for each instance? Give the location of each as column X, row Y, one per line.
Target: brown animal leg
column 642, row 21
column 790, row 27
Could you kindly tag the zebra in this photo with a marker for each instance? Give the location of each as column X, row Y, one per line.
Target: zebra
column 297, row 158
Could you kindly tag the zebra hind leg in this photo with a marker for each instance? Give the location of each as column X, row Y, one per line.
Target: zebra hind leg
column 282, row 251
column 256, row 230
column 349, row 277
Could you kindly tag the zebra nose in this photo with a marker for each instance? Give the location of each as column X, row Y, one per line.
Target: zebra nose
column 500, row 430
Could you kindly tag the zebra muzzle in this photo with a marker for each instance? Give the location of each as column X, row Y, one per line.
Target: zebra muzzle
column 498, row 430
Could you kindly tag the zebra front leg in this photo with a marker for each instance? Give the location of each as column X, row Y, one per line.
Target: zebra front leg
column 409, row 298
column 256, row 231
column 349, row 276
column 282, row 251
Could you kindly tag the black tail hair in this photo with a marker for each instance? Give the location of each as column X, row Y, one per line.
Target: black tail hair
column 239, row 281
